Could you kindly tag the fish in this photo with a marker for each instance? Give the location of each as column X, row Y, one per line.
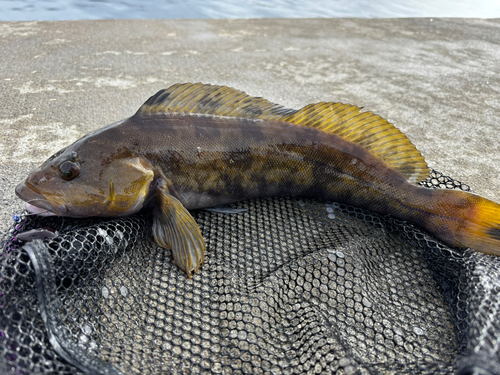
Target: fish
column 195, row 146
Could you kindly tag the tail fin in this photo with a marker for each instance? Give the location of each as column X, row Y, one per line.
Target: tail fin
column 465, row 220
column 483, row 232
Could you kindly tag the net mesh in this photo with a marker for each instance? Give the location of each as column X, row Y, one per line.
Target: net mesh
column 291, row 286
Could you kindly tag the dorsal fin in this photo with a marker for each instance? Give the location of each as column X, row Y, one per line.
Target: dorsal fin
column 212, row 100
column 368, row 130
column 362, row 128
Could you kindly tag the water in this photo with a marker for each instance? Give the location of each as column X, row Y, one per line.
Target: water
column 52, row 10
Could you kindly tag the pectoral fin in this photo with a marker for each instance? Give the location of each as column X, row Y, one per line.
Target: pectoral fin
column 174, row 228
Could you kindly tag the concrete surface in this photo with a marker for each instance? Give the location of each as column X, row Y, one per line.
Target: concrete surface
column 438, row 80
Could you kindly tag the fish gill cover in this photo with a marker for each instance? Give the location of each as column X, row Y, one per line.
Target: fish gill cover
column 289, row 286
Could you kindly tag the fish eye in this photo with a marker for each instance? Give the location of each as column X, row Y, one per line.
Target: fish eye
column 69, row 170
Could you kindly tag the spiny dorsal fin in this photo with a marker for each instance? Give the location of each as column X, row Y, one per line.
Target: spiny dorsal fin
column 212, row 100
column 362, row 128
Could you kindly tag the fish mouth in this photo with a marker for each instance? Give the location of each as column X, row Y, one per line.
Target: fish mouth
column 35, row 202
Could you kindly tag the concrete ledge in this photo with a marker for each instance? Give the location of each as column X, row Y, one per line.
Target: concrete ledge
column 437, row 80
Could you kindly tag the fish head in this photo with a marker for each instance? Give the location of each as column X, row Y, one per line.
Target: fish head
column 84, row 184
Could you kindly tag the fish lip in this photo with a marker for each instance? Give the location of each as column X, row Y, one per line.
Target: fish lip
column 35, row 203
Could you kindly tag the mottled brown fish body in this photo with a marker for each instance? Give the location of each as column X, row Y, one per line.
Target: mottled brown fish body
column 213, row 161
column 218, row 160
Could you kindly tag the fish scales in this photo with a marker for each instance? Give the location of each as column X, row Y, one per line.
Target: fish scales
column 232, row 159
column 196, row 146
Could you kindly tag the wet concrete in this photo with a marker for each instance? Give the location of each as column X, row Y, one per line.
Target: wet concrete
column 438, row 80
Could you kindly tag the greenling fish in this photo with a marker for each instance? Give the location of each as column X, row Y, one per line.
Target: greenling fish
column 194, row 146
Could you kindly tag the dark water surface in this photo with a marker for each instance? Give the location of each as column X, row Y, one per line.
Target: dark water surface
column 51, row 10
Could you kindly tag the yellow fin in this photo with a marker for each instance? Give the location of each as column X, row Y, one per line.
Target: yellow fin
column 368, row 130
column 362, row 128
column 174, row 228
column 211, row 99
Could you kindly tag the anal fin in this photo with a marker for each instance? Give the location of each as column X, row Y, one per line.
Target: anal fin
column 225, row 210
